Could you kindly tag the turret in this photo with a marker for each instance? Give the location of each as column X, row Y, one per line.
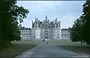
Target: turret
column 46, row 18
column 56, row 20
column 58, row 24
column 32, row 24
column 36, row 20
column 55, row 24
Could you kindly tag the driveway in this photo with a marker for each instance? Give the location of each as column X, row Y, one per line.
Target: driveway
column 50, row 51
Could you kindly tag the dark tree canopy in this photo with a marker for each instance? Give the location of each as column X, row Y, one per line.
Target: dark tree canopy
column 10, row 14
column 86, row 15
column 81, row 28
column 76, row 31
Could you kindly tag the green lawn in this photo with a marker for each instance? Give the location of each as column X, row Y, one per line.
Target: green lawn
column 79, row 49
column 53, row 42
column 64, row 42
column 15, row 49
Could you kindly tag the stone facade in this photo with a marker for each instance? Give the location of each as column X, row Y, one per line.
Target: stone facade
column 65, row 34
column 25, row 33
column 46, row 29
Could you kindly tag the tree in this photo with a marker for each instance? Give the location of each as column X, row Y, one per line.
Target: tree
column 10, row 14
column 86, row 10
column 76, row 31
column 81, row 28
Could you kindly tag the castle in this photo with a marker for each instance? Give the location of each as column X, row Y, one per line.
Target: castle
column 45, row 30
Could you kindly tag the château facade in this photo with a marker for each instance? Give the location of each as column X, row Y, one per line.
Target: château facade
column 25, row 33
column 65, row 33
column 46, row 29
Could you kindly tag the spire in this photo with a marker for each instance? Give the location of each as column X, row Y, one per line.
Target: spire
column 56, row 20
column 36, row 20
column 46, row 17
column 32, row 22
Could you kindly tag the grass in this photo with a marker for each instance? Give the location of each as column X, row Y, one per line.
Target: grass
column 15, row 49
column 74, row 46
column 61, row 42
column 64, row 42
column 79, row 49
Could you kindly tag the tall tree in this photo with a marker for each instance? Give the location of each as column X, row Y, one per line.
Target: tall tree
column 10, row 13
column 76, row 31
column 81, row 29
column 86, row 10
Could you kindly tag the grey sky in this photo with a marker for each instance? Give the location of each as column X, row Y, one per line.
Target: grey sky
column 66, row 11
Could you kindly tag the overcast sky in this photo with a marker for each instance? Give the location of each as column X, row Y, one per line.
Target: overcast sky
column 65, row 11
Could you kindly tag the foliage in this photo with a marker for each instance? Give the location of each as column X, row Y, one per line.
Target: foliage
column 10, row 14
column 81, row 28
column 86, row 10
column 76, row 31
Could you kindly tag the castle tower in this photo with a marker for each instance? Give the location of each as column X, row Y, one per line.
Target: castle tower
column 45, row 29
column 46, row 18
